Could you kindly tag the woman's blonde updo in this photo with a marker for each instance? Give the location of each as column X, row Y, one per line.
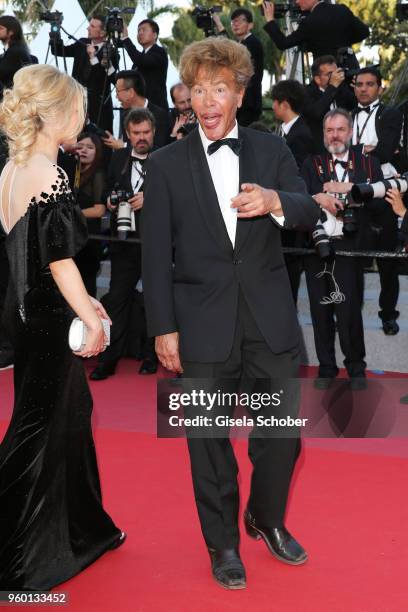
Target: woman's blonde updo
column 41, row 95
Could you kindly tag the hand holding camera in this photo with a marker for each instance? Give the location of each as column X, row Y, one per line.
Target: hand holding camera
column 329, row 202
column 337, row 77
column 136, row 201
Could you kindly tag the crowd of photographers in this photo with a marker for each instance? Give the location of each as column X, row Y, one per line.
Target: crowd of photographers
column 345, row 141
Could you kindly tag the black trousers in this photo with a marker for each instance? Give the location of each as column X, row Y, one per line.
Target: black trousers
column 125, row 272
column 387, row 240
column 349, row 274
column 213, row 464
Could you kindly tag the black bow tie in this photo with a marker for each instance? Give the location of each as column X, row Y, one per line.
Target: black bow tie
column 234, row 144
column 343, row 164
column 138, row 159
column 366, row 109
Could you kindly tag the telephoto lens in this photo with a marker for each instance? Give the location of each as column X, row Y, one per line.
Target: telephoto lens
column 363, row 192
column 320, row 238
column 124, row 219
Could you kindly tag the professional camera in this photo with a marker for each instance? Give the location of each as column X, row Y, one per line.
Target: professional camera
column 295, row 14
column 204, row 20
column 363, row 192
column 55, row 19
column 402, row 10
column 320, row 238
column 119, row 198
column 114, row 23
column 349, row 216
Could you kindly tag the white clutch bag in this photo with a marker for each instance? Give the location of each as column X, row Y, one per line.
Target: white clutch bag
column 77, row 334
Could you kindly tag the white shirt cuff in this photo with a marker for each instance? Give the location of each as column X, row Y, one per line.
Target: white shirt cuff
column 94, row 60
column 279, row 220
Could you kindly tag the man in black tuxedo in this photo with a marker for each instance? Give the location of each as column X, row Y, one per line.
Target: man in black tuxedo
column 326, row 29
column 242, row 23
column 126, row 173
column 92, row 69
column 378, row 127
column 326, row 91
column 16, row 53
column 152, row 62
column 217, row 199
column 131, row 93
column 336, row 284
column 287, row 103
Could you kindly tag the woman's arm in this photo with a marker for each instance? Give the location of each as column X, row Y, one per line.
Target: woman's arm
column 68, row 280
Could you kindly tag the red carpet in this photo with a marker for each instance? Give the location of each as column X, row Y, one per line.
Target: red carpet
column 349, row 509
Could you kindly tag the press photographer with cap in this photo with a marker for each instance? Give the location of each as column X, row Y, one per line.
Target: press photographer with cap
column 325, row 30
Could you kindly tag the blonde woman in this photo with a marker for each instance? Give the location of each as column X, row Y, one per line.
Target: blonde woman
column 52, row 523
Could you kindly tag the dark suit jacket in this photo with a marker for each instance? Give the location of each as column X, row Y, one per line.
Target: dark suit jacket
column 14, row 58
column 93, row 77
column 300, row 141
column 153, row 67
column 253, row 94
column 317, row 104
column 323, row 31
column 199, row 297
column 388, row 125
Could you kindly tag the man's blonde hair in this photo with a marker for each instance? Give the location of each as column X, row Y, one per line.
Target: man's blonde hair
column 213, row 54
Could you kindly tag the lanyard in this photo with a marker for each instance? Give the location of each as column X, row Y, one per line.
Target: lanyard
column 360, row 134
column 140, row 179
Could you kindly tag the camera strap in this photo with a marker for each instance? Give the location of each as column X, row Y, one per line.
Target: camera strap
column 360, row 133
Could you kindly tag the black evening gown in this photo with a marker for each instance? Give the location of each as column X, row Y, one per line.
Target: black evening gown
column 52, row 522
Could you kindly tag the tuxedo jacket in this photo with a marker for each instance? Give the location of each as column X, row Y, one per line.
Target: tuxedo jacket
column 153, row 67
column 119, row 177
column 253, row 93
column 323, row 31
column 14, row 58
column 93, row 77
column 198, row 297
column 317, row 104
column 300, row 141
column 388, row 125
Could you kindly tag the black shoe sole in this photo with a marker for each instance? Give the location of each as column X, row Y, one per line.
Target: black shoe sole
column 234, row 587
column 258, row 534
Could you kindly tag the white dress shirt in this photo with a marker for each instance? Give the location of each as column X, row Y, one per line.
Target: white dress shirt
column 224, row 170
column 368, row 134
column 286, row 127
column 341, row 177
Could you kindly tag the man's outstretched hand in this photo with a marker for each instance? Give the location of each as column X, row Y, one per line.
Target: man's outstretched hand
column 167, row 350
column 255, row 201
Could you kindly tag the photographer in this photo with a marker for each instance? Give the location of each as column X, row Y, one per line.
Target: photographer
column 131, row 93
column 242, row 23
column 287, row 103
column 94, row 66
column 92, row 186
column 126, row 174
column 378, row 127
column 16, row 53
column 152, row 62
column 335, row 284
column 325, row 30
column 327, row 90
column 182, row 114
